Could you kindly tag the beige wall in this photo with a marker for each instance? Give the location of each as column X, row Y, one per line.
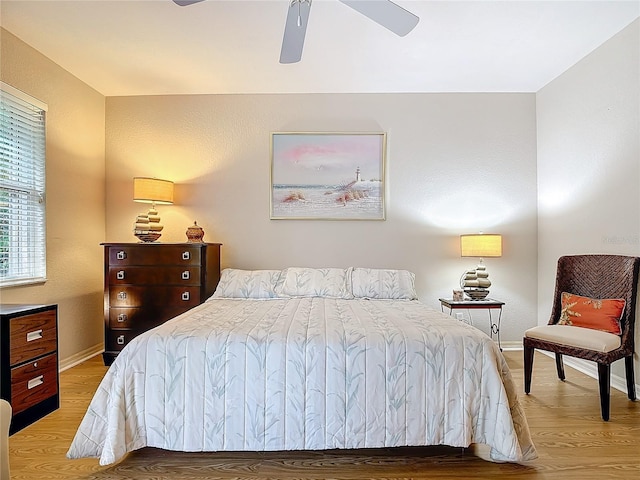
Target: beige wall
column 456, row 163
column 75, row 195
column 589, row 161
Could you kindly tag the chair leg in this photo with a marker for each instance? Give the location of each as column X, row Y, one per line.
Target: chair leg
column 631, row 382
column 560, row 366
column 604, row 380
column 528, row 368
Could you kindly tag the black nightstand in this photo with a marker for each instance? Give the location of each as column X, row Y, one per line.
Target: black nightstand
column 486, row 304
column 29, row 361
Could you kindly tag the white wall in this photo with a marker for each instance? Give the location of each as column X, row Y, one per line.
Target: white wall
column 75, row 196
column 588, row 123
column 456, row 163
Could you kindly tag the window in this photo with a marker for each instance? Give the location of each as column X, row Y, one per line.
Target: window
column 22, row 188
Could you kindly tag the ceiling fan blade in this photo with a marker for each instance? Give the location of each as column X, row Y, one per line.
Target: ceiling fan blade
column 386, row 13
column 184, row 3
column 294, row 31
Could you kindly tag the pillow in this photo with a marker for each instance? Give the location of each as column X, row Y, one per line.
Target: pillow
column 383, row 284
column 315, row 282
column 247, row 284
column 591, row 313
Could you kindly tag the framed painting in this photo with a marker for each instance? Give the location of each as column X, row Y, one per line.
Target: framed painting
column 328, row 176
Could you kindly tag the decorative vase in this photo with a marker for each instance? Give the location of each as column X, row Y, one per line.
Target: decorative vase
column 195, row 233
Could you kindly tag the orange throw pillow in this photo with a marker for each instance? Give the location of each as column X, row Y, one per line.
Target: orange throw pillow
column 592, row 313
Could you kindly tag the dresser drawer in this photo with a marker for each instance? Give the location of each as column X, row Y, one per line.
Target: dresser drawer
column 154, row 255
column 33, row 382
column 117, row 339
column 143, row 318
column 127, row 317
column 153, row 296
column 178, row 275
column 32, row 335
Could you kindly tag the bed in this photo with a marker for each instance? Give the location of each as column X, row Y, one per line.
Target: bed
column 307, row 359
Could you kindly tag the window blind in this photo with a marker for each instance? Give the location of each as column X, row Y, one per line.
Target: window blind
column 22, row 188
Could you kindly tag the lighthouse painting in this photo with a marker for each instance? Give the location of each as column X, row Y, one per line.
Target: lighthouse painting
column 330, row 176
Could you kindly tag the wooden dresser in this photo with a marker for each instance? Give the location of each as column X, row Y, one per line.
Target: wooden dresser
column 29, row 361
column 146, row 284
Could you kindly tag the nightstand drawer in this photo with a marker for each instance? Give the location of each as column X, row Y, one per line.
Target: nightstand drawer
column 152, row 296
column 154, row 255
column 160, row 275
column 34, row 382
column 32, row 335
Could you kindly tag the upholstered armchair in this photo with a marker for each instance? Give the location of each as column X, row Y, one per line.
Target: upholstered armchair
column 583, row 325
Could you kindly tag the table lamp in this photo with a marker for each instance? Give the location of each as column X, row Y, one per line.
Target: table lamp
column 151, row 190
column 476, row 283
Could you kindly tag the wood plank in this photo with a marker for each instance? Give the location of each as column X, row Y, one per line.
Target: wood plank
column 564, row 417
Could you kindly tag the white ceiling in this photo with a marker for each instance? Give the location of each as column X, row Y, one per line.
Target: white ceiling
column 153, row 47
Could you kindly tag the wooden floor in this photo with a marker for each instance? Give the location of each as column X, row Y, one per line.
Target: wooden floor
column 572, row 441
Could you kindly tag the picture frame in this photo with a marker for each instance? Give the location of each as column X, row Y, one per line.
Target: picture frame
column 328, row 176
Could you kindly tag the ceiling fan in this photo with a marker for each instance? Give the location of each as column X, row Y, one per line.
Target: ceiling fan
column 383, row 12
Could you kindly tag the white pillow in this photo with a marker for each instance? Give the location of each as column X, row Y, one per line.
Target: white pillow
column 236, row 283
column 315, row 282
column 383, row 284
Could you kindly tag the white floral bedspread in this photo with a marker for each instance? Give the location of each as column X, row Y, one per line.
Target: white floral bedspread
column 306, row 373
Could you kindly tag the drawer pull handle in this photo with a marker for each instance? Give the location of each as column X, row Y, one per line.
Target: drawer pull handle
column 185, row 296
column 122, row 317
column 122, row 295
column 121, row 255
column 120, row 275
column 36, row 335
column 120, row 340
column 186, row 255
column 185, row 275
column 34, row 382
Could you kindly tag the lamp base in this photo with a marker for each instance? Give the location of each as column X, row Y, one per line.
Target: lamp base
column 148, row 227
column 148, row 237
column 476, row 293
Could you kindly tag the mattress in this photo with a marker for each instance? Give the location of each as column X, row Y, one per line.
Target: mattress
column 306, row 374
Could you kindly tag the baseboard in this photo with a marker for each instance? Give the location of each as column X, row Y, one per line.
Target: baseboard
column 511, row 345
column 80, row 357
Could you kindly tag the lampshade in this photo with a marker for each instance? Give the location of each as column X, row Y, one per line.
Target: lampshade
column 152, row 190
column 481, row 245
